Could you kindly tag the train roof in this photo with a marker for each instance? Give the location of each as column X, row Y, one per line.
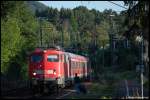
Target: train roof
column 75, row 56
column 71, row 55
column 39, row 50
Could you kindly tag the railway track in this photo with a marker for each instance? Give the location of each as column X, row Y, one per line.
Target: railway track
column 16, row 93
column 26, row 93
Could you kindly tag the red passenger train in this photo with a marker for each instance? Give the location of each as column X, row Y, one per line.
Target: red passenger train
column 53, row 67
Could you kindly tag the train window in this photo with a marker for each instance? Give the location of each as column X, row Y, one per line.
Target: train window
column 83, row 64
column 52, row 58
column 72, row 64
column 75, row 64
column 36, row 58
column 65, row 58
column 62, row 58
column 80, row 64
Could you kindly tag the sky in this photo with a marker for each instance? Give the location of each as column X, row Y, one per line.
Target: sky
column 98, row 5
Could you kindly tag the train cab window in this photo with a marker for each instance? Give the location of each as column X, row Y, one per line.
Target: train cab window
column 52, row 58
column 36, row 58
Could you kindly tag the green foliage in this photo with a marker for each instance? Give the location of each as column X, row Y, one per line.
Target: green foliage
column 36, row 6
column 127, row 59
column 78, row 29
column 85, row 40
column 79, row 23
column 66, row 39
column 138, row 13
column 74, row 23
column 104, row 97
column 10, row 41
column 49, row 33
column 102, row 31
column 17, row 38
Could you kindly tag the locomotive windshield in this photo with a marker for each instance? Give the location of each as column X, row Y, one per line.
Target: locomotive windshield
column 36, row 58
column 52, row 58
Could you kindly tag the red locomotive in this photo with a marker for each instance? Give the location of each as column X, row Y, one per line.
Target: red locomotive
column 53, row 67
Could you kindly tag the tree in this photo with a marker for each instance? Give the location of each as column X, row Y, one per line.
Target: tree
column 10, row 41
column 73, row 29
column 102, row 31
column 138, row 16
column 49, row 33
column 81, row 29
column 18, row 33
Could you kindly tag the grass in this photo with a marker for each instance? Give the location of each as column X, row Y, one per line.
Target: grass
column 105, row 87
column 95, row 91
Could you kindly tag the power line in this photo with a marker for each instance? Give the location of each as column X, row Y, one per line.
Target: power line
column 113, row 3
column 117, row 4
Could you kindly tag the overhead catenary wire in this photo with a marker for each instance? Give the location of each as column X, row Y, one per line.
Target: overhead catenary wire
column 110, row 2
column 118, row 5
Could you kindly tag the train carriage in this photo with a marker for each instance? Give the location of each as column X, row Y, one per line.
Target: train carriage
column 53, row 67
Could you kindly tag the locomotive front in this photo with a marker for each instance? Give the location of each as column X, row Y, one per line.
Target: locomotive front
column 44, row 68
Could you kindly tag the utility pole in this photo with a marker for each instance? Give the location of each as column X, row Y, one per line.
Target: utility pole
column 142, row 67
column 62, row 34
column 41, row 33
column 95, row 47
column 140, row 40
column 62, row 39
column 111, row 40
column 103, row 55
column 102, row 49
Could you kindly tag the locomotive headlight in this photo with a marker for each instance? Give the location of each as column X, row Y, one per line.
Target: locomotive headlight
column 34, row 73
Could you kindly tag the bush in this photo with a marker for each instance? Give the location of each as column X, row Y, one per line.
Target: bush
column 126, row 59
